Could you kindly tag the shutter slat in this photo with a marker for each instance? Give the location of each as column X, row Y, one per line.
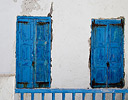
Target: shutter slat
column 83, row 96
column 63, row 96
column 73, row 96
column 103, row 96
column 43, row 96
column 123, row 96
column 32, row 96
column 53, row 96
column 93, row 96
column 113, row 96
column 22, row 96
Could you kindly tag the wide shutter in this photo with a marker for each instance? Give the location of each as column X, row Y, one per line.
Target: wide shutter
column 107, row 53
column 33, row 52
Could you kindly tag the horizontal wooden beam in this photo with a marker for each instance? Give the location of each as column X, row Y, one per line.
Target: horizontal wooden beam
column 71, row 90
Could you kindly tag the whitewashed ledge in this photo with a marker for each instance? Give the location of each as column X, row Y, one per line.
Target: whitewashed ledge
column 7, row 74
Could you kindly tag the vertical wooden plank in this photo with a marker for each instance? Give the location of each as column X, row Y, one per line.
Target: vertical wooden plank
column 83, row 96
column 103, row 96
column 22, row 96
column 93, row 96
column 32, row 96
column 63, row 96
column 43, row 96
column 113, row 96
column 73, row 96
column 53, row 96
column 123, row 96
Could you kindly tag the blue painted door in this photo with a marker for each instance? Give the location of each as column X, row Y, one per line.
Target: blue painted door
column 33, row 52
column 107, row 53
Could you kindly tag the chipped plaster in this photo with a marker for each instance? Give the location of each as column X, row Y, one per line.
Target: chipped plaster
column 28, row 6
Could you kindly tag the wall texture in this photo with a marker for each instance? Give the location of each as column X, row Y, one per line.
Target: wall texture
column 71, row 32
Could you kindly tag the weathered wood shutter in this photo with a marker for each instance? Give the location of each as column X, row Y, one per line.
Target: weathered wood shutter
column 42, row 53
column 107, row 43
column 33, row 52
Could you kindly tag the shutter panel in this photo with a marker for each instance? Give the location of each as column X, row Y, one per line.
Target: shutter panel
column 33, row 52
column 42, row 54
column 107, row 55
column 98, row 55
column 24, row 50
column 116, row 55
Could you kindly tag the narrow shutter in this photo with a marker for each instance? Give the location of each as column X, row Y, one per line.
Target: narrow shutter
column 116, row 55
column 24, row 54
column 98, row 55
column 42, row 53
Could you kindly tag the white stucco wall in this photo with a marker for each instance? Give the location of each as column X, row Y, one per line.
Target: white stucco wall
column 71, row 32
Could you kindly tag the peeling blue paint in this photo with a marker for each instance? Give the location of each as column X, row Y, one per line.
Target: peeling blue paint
column 33, row 52
column 107, row 53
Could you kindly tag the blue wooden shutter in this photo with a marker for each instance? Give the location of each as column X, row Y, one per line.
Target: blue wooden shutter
column 98, row 55
column 24, row 54
column 33, row 52
column 42, row 53
column 116, row 55
column 107, row 42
